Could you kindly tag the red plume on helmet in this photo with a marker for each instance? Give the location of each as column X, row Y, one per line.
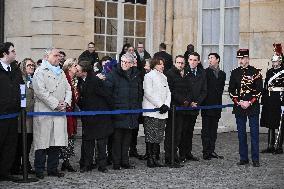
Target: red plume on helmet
column 278, row 49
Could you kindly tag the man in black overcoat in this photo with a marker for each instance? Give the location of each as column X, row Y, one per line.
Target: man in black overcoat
column 10, row 80
column 210, row 118
column 94, row 97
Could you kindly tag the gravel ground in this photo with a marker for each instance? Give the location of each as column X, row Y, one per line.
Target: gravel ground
column 203, row 174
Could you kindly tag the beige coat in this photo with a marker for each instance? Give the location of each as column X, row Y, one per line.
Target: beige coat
column 49, row 89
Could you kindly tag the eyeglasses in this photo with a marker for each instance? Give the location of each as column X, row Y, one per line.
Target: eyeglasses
column 123, row 61
column 30, row 65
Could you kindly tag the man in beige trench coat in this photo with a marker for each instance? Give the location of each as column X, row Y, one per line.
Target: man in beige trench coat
column 52, row 93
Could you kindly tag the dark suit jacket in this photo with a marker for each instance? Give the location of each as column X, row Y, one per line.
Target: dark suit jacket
column 215, row 88
column 95, row 97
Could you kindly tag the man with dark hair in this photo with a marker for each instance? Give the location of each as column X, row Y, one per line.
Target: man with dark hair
column 178, row 80
column 210, row 118
column 94, row 97
column 62, row 58
column 90, row 54
column 245, row 89
column 10, row 79
column 142, row 55
column 167, row 57
column 197, row 94
column 189, row 49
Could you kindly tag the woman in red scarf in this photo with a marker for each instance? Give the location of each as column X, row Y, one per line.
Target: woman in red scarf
column 70, row 70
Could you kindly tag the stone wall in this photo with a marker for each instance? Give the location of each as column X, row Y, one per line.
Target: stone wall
column 261, row 25
column 36, row 25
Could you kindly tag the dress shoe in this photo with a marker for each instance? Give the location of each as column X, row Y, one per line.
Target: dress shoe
column 134, row 153
column 8, row 178
column 55, row 174
column 268, row 150
column 116, row 167
column 103, row 169
column 278, row 151
column 67, row 166
column 85, row 169
column 190, row 157
column 127, row 166
column 39, row 175
column 214, row 155
column 174, row 165
column 207, row 157
column 255, row 164
column 243, row 162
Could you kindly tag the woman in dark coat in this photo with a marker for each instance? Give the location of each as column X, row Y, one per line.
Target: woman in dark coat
column 125, row 83
column 271, row 109
column 94, row 97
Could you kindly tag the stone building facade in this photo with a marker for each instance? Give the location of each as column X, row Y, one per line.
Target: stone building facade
column 220, row 26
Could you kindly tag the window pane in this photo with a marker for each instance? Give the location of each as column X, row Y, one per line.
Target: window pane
column 140, row 12
column 111, row 43
column 100, row 42
column 140, row 29
column 232, row 26
column 112, row 10
column 210, row 26
column 230, row 62
column 129, row 28
column 211, row 4
column 141, row 1
column 205, row 51
column 99, row 26
column 128, row 40
column 129, row 11
column 112, row 27
column 232, row 3
column 112, row 55
column 100, row 8
column 129, row 1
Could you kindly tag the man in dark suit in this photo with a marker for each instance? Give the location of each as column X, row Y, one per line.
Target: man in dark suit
column 198, row 92
column 10, row 79
column 210, row 118
column 166, row 56
column 90, row 55
column 94, row 97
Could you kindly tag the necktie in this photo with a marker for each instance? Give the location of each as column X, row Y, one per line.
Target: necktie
column 8, row 69
column 194, row 72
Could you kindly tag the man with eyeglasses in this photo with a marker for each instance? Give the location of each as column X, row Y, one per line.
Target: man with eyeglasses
column 10, row 98
column 90, row 55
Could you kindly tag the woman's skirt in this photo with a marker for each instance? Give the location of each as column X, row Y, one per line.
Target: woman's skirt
column 154, row 129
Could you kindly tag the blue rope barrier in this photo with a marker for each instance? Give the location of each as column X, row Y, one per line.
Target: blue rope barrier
column 113, row 112
column 9, row 116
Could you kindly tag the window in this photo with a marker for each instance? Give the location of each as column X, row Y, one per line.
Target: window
column 118, row 22
column 219, row 31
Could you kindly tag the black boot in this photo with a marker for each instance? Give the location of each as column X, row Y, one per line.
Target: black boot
column 156, row 150
column 145, row 157
column 150, row 159
column 67, row 166
column 271, row 141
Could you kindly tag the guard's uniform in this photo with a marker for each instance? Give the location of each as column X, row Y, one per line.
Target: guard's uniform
column 246, row 85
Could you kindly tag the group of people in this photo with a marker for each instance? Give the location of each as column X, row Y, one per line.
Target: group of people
column 136, row 81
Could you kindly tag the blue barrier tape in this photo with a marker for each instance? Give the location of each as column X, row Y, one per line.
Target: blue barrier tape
column 9, row 116
column 204, row 107
column 113, row 112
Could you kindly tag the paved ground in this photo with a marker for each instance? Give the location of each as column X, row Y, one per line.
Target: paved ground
column 203, row 174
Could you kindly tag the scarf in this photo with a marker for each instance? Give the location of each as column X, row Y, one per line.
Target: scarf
column 55, row 69
column 215, row 70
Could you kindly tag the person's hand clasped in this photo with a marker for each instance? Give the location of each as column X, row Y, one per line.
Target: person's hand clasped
column 164, row 109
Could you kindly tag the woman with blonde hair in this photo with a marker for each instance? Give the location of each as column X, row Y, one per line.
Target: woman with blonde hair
column 70, row 69
column 27, row 67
